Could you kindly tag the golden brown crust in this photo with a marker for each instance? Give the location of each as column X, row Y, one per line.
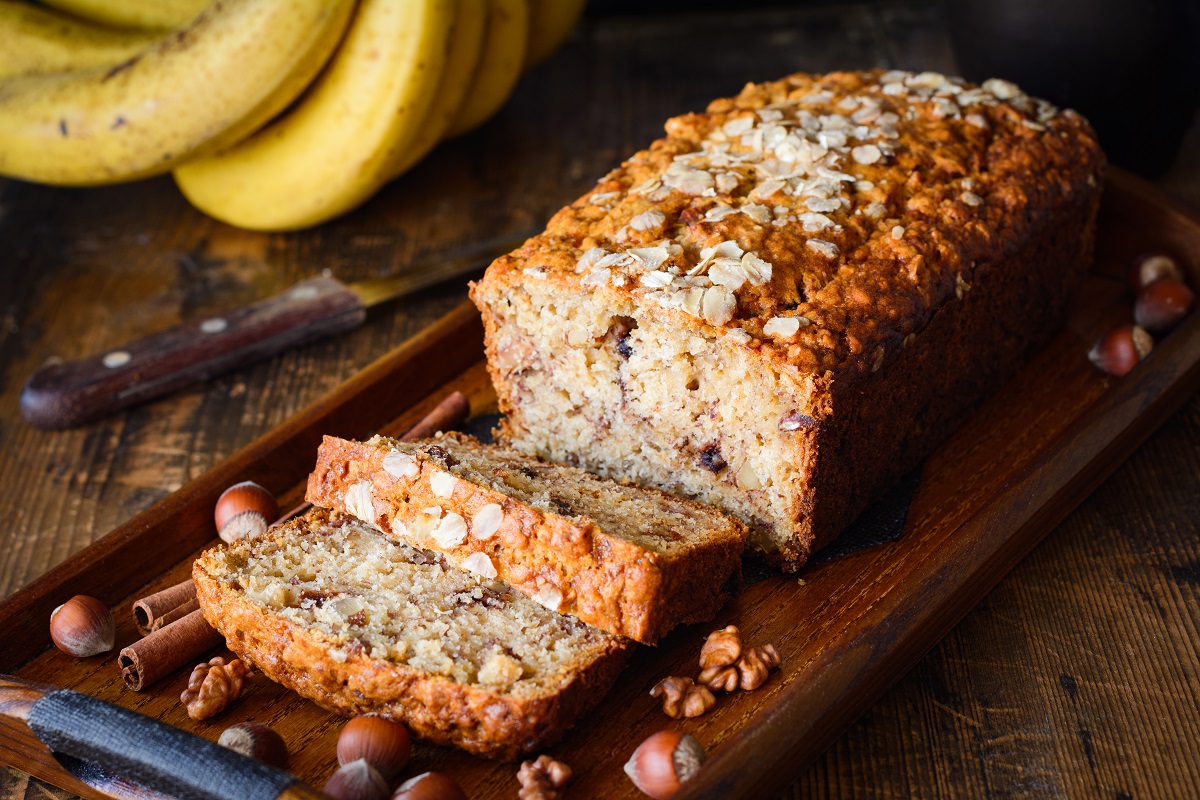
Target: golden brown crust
column 883, row 248
column 569, row 563
column 964, row 189
column 482, row 721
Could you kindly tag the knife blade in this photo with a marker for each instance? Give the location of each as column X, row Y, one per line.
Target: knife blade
column 126, row 754
column 66, row 395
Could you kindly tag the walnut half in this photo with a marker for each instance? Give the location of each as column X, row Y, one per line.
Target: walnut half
column 755, row 664
column 542, row 779
column 213, row 685
column 722, row 648
column 683, row 698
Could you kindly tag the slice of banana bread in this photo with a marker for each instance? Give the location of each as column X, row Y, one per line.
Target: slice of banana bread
column 783, row 305
column 626, row 559
column 358, row 622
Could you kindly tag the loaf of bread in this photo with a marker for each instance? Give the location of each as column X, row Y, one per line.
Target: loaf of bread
column 626, row 559
column 358, row 623
column 782, row 306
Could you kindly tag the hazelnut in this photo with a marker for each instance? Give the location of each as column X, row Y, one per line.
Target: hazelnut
column 257, row 741
column 1149, row 267
column 429, row 786
column 683, row 698
column 82, row 626
column 1162, row 305
column 383, row 743
column 663, row 762
column 244, row 509
column 1119, row 350
column 357, row 780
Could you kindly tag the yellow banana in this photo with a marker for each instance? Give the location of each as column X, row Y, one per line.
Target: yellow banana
column 499, row 66
column 550, row 22
column 160, row 14
column 206, row 86
column 466, row 46
column 34, row 40
column 336, row 147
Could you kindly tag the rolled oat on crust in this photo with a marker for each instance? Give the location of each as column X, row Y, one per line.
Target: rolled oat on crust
column 787, row 302
column 627, row 559
column 357, row 623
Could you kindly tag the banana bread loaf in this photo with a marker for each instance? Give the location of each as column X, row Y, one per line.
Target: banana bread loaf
column 357, row 622
column 626, row 559
column 788, row 301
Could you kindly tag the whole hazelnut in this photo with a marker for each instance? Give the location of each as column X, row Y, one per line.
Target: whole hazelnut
column 383, row 743
column 1149, row 267
column 1119, row 350
column 357, row 780
column 257, row 741
column 82, row 626
column 244, row 510
column 1162, row 305
column 663, row 762
column 430, row 786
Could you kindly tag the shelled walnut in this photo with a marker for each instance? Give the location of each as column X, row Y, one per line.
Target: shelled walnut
column 682, row 697
column 727, row 665
column 542, row 779
column 755, row 664
column 722, row 648
column 717, row 659
column 213, row 685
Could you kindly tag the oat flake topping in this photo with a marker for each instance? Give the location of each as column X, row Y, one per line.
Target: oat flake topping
column 806, row 163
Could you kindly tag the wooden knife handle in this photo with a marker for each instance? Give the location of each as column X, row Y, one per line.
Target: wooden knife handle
column 67, row 395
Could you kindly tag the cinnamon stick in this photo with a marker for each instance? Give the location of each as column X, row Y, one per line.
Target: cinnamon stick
column 166, row 650
column 446, row 415
column 162, row 608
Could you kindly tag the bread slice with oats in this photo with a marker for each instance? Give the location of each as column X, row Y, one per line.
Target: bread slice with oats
column 627, row 559
column 360, row 623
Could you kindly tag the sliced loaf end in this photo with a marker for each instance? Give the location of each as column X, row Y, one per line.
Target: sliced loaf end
column 360, row 623
column 627, row 559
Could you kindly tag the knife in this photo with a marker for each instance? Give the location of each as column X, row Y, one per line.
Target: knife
column 66, row 395
column 128, row 755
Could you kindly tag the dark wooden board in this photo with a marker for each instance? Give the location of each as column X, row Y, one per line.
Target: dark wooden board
column 847, row 629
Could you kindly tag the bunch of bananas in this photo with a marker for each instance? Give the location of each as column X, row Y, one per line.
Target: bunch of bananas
column 271, row 114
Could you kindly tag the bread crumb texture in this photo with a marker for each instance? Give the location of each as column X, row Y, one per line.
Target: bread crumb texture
column 710, row 313
column 359, row 622
column 631, row 560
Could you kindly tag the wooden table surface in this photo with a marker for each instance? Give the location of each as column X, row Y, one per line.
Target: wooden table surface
column 1077, row 676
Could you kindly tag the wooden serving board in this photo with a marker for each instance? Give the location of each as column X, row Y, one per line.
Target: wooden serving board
column 847, row 629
